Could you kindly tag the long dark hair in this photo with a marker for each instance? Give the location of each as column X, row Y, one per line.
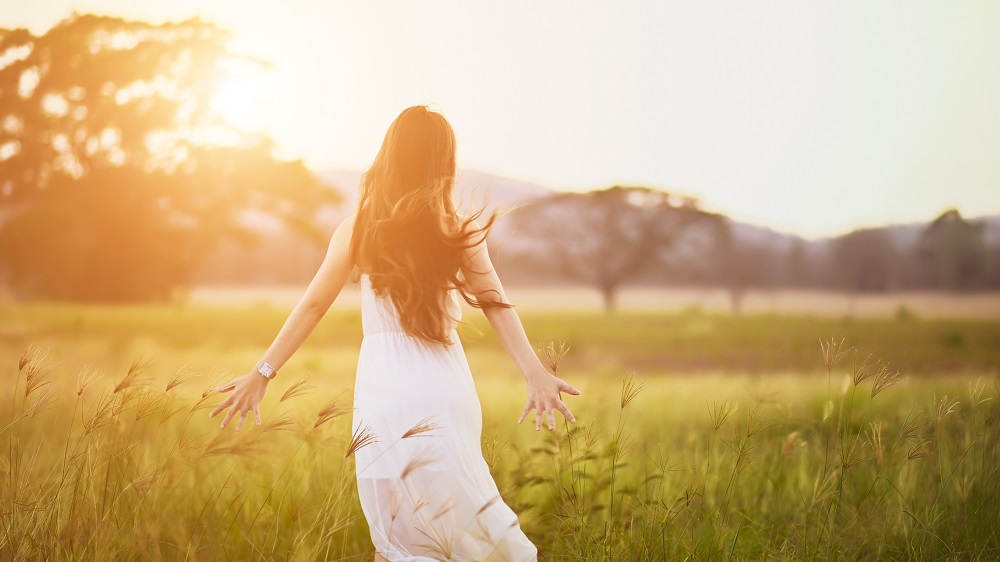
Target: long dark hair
column 407, row 235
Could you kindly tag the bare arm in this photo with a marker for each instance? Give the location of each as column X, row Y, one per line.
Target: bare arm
column 543, row 387
column 248, row 390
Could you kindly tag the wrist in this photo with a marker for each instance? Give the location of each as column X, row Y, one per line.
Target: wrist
column 266, row 370
column 535, row 373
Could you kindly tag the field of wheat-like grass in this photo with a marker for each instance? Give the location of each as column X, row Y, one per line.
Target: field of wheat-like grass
column 803, row 448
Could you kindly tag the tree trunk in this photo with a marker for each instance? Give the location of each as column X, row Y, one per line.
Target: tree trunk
column 609, row 294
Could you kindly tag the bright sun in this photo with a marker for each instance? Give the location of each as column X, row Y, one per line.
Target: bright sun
column 241, row 102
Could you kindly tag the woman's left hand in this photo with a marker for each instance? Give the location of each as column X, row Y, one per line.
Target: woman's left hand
column 247, row 392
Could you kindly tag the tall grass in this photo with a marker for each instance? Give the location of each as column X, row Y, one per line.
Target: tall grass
column 860, row 465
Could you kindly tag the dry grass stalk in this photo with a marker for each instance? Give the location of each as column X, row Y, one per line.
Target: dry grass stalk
column 103, row 413
column 87, row 376
column 445, row 509
column 920, row 450
column 423, row 426
column 487, row 505
column 630, row 389
column 26, row 357
column 946, row 406
column 415, row 463
column 47, row 399
column 298, row 388
column 440, row 546
column 283, row 423
column 329, row 412
column 551, row 353
column 990, row 415
column 182, row 376
column 852, row 456
column 38, row 372
column 239, row 449
column 421, row 503
column 134, row 376
column 758, row 421
column 833, row 352
column 976, row 393
column 914, row 425
column 875, row 440
column 720, row 413
column 884, row 380
column 363, row 436
column 145, row 482
column 793, row 443
column 867, row 369
column 148, row 403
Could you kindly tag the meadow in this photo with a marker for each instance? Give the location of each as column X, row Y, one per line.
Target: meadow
column 700, row 436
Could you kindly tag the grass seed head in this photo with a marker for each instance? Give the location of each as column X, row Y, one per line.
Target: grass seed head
column 884, row 380
column 914, row 425
column 182, row 376
column 551, row 353
column 630, row 389
column 423, row 426
column 867, row 369
column 946, row 406
column 720, row 413
column 330, row 411
column 135, row 375
column 363, row 436
column 415, row 463
column 87, row 376
column 833, row 351
column 298, row 388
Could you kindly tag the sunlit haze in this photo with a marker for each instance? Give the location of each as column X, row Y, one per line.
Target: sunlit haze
column 813, row 118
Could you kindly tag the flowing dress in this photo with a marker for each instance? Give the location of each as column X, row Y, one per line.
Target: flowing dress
column 425, row 488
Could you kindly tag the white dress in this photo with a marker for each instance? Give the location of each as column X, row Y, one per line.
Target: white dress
column 428, row 496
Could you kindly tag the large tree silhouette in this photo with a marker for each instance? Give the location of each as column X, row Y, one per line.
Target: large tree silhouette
column 115, row 178
column 610, row 237
column 952, row 253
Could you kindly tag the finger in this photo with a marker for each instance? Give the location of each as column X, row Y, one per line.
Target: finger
column 524, row 414
column 229, row 416
column 243, row 418
column 552, row 419
column 226, row 387
column 256, row 414
column 569, row 390
column 539, row 414
column 222, row 406
column 565, row 412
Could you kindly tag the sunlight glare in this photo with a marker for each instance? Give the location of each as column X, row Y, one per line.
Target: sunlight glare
column 241, row 102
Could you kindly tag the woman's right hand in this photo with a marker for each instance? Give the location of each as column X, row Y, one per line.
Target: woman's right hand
column 544, row 399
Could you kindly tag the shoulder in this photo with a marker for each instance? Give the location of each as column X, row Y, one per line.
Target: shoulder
column 344, row 232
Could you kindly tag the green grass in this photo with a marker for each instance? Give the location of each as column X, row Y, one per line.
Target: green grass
column 808, row 466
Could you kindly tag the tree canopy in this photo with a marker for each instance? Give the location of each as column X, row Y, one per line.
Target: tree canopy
column 609, row 237
column 115, row 176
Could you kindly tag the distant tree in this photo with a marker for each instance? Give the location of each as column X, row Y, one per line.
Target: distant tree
column 609, row 237
column 952, row 253
column 744, row 264
column 865, row 260
column 115, row 178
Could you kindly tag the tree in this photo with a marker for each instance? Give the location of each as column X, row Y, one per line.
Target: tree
column 952, row 253
column 744, row 262
column 865, row 260
column 608, row 238
column 115, row 176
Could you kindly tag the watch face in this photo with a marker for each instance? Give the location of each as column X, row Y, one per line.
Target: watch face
column 266, row 370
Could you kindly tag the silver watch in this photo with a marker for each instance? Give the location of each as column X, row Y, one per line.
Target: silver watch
column 265, row 369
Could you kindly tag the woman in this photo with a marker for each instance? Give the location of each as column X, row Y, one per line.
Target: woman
column 424, row 486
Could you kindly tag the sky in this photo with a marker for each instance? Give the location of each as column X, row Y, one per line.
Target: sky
column 806, row 117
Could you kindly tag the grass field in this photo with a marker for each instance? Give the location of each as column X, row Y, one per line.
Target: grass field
column 701, row 436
